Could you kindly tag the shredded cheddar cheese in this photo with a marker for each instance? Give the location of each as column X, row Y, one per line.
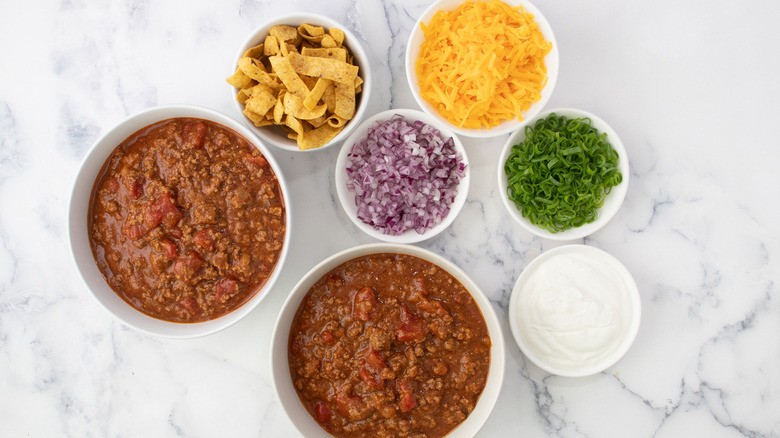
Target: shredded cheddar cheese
column 482, row 63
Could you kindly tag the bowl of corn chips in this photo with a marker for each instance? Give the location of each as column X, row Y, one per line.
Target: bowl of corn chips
column 302, row 82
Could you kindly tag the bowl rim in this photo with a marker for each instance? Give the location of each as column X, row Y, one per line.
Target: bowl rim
column 552, row 62
column 632, row 294
column 612, row 202
column 282, row 382
column 355, row 47
column 77, row 218
column 346, row 197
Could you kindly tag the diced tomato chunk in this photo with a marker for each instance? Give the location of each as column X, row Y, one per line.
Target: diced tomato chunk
column 136, row 187
column 406, row 399
column 162, row 210
column 193, row 134
column 374, row 361
column 188, row 265
column 407, row 402
column 322, row 412
column 373, row 380
column 411, row 327
column 418, row 283
column 432, row 306
column 134, row 232
column 189, row 304
column 204, row 240
column 429, row 306
column 169, row 249
column 225, row 289
column 365, row 300
column 327, row 337
column 154, row 216
column 372, row 372
column 349, row 406
column 257, row 160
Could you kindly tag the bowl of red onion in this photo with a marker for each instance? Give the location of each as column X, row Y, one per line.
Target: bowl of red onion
column 402, row 176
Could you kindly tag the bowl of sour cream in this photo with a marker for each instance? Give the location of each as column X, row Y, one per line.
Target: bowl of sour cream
column 575, row 311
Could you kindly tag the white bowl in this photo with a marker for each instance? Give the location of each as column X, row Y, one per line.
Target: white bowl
column 282, row 381
column 416, row 38
column 613, row 200
column 78, row 217
column 563, row 277
column 347, row 197
column 276, row 135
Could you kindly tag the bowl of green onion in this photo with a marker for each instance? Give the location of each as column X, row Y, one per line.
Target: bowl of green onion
column 564, row 175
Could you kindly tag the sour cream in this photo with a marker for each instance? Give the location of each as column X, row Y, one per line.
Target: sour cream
column 575, row 310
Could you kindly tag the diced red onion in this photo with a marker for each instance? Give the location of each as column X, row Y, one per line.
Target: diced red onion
column 404, row 176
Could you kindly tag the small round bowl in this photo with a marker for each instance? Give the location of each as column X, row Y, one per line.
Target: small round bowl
column 613, row 200
column 564, row 277
column 347, row 197
column 416, row 38
column 79, row 238
column 280, row 369
column 277, row 136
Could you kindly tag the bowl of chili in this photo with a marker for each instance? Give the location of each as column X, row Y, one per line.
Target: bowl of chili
column 179, row 221
column 387, row 339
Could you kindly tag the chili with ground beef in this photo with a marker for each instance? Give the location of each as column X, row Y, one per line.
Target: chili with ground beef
column 389, row 345
column 187, row 220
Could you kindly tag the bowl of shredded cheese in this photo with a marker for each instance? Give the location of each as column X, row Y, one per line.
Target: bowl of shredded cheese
column 482, row 68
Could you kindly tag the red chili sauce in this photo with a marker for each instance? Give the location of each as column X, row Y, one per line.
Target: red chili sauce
column 186, row 220
column 389, row 345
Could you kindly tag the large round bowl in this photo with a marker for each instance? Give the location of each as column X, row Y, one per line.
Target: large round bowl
column 277, row 136
column 79, row 239
column 347, row 197
column 282, row 381
column 416, row 38
column 613, row 200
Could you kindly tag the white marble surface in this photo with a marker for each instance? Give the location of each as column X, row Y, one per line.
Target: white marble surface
column 692, row 87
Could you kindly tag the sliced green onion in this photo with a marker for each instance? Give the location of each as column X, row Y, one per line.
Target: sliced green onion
column 559, row 176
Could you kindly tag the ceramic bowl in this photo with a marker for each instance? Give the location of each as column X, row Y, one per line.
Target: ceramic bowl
column 277, row 136
column 283, row 384
column 347, row 196
column 78, row 217
column 612, row 202
column 575, row 311
column 551, row 60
